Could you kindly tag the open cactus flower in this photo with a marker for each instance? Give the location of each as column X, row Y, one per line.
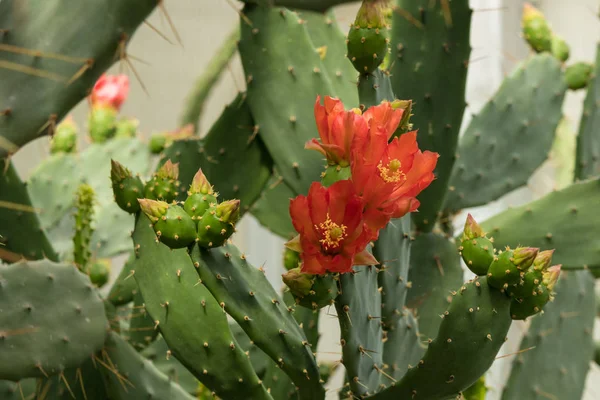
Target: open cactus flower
column 133, row 265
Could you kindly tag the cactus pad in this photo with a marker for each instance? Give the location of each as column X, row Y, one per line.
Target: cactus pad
column 53, row 311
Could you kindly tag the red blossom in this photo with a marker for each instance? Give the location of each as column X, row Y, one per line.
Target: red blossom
column 389, row 176
column 330, row 227
column 110, row 91
column 340, row 130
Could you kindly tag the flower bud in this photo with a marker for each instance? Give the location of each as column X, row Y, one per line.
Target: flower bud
column 291, row 259
column 550, row 276
column 64, row 139
column 536, row 30
column 523, row 257
column 298, row 282
column 311, row 291
column 126, row 187
column 472, row 229
column 229, row 211
column 153, row 209
column 127, row 127
column 542, row 260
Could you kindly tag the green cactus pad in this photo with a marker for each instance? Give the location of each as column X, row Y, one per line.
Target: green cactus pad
column 53, row 311
column 232, row 138
column 245, row 293
column 561, row 220
column 142, row 331
column 272, row 209
column 330, row 42
column 434, row 273
column 473, row 329
column 375, row 88
column 359, row 317
column 21, row 233
column 563, row 341
column 587, row 163
column 478, row 254
column 158, row 353
column 82, row 382
column 511, row 136
column 367, row 47
column 307, row 318
column 132, row 377
column 176, row 227
column 427, row 38
column 124, row 288
column 189, row 319
column 279, row 57
column 68, row 66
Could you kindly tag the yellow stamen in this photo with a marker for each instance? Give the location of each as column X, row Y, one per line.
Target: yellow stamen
column 332, row 232
column 391, row 172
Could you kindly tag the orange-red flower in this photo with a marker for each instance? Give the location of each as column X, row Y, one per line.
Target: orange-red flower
column 110, row 91
column 389, row 176
column 330, row 227
column 341, row 130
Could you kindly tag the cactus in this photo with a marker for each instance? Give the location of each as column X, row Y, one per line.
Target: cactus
column 52, row 310
column 588, row 146
column 189, row 317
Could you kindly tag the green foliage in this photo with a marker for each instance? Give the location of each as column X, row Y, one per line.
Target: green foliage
column 561, row 220
column 190, row 319
column 60, row 59
column 423, row 39
column 511, row 136
column 587, row 163
column 53, row 311
column 555, row 365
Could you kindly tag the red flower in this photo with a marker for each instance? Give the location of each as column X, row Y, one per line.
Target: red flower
column 389, row 176
column 340, row 130
column 330, row 227
column 110, row 90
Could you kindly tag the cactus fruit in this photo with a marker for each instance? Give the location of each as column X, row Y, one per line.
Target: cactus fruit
column 476, row 391
column 578, row 75
column 505, row 270
column 127, row 128
column 102, row 124
column 368, row 39
column 218, row 223
column 173, row 226
column 64, row 139
column 200, row 197
column 475, row 248
column 99, row 272
column 560, row 48
column 536, row 30
column 164, row 184
column 311, row 291
column 84, row 203
column 127, row 188
column 291, row 259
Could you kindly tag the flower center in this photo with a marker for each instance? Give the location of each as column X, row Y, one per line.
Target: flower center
column 391, row 172
column 332, row 233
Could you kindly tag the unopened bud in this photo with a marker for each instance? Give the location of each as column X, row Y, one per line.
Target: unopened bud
column 298, row 282
column 168, row 171
column 64, row 139
column 200, row 184
column 153, row 209
column 550, row 276
column 229, row 211
column 523, row 257
column 472, row 229
column 542, row 260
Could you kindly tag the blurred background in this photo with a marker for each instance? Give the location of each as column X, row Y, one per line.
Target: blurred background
column 166, row 72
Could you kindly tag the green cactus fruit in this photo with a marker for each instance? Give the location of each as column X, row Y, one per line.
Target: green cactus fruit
column 527, row 285
column 368, row 39
column 99, row 272
column 536, row 30
column 476, row 391
column 164, row 184
column 158, row 142
column 102, row 124
column 578, row 75
column 84, row 204
column 126, row 187
column 506, row 268
column 200, row 196
column 560, row 48
column 521, row 308
column 218, row 223
column 64, row 139
column 291, row 259
column 173, row 226
column 335, row 173
column 476, row 250
column 311, row 291
column 127, row 127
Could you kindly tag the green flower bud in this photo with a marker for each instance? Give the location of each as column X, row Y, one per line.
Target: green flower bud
column 505, row 270
column 200, row 196
column 311, row 291
column 164, row 184
column 578, row 75
column 127, row 127
column 536, row 30
column 173, row 226
column 368, row 39
column 64, row 139
column 99, row 272
column 102, row 123
column 126, row 187
column 560, row 48
column 291, row 259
